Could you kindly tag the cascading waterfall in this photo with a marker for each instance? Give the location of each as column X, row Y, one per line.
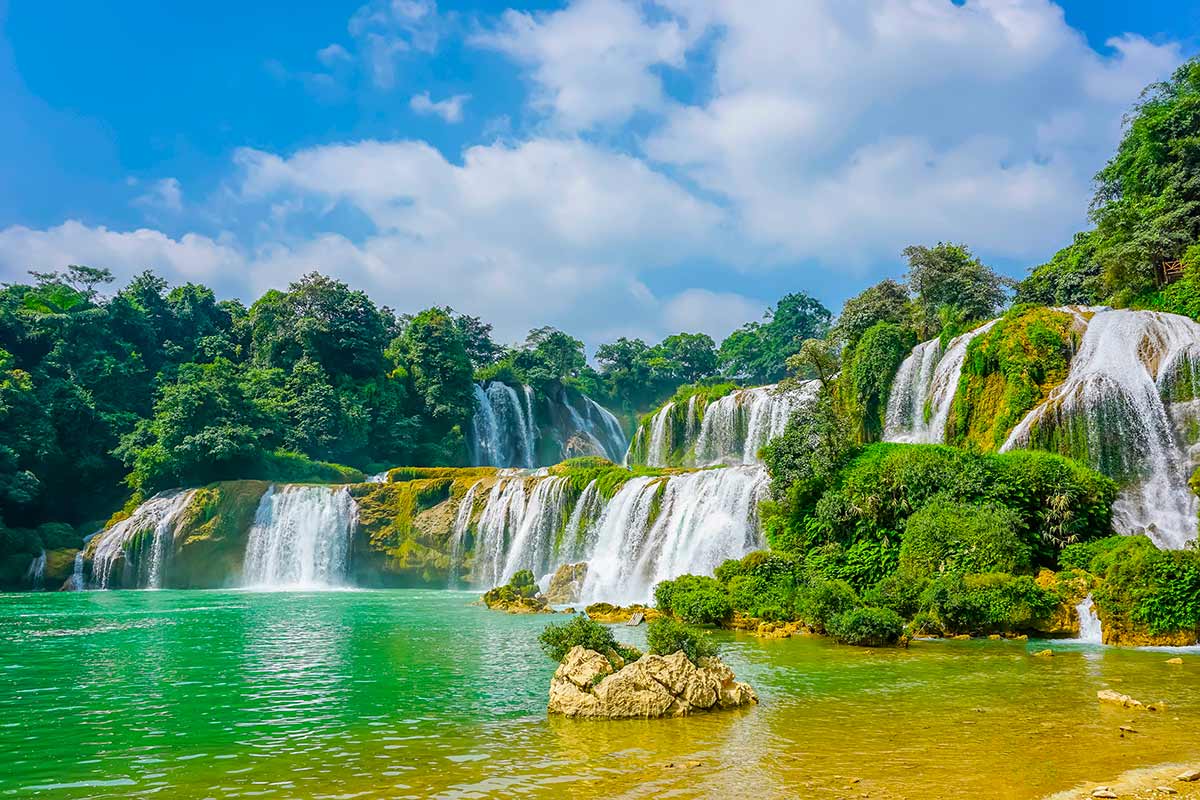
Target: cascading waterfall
column 462, row 522
column 77, row 582
column 660, row 437
column 923, row 390
column 1115, row 411
column 300, row 538
column 1089, row 622
column 506, row 427
column 35, row 576
column 145, row 537
column 652, row 529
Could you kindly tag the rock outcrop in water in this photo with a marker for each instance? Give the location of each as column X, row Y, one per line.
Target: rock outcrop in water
column 586, row 686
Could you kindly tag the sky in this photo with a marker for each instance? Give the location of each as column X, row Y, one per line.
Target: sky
column 609, row 167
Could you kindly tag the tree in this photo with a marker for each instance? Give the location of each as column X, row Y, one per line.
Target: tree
column 549, row 356
column 685, row 357
column 434, row 356
column 758, row 352
column 1072, row 276
column 886, row 301
column 949, row 277
column 477, row 340
column 1147, row 202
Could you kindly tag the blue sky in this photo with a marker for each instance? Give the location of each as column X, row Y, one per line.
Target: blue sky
column 608, row 166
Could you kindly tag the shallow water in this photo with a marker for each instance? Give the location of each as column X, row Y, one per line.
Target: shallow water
column 418, row 694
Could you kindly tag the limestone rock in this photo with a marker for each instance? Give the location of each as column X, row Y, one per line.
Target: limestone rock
column 1175, row 660
column 1110, row 697
column 566, row 583
column 1044, row 654
column 1190, row 776
column 606, row 612
column 586, row 686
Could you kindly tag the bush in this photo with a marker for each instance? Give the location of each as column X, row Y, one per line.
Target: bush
column 900, row 592
column 694, row 599
column 1151, row 588
column 666, row 636
column 867, row 627
column 558, row 639
column 823, row 600
column 987, row 603
column 949, row 536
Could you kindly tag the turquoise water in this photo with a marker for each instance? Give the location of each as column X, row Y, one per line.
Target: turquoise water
column 420, row 694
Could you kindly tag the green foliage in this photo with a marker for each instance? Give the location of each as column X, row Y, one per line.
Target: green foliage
column 694, row 599
column 1071, row 277
column 758, row 352
column 901, row 592
column 1147, row 202
column 950, row 536
column 948, row 277
column 1180, row 297
column 764, row 585
column 522, row 585
column 558, row 638
column 1007, row 372
column 1143, row 587
column 822, row 600
column 868, row 373
column 885, row 302
column 986, row 603
column 666, row 636
column 867, row 627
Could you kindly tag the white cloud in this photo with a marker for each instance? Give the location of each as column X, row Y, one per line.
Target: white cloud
column 450, row 109
column 333, row 55
column 592, row 61
column 714, row 313
column 384, row 29
column 165, row 194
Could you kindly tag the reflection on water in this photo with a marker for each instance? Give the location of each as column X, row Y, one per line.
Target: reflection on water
column 419, row 694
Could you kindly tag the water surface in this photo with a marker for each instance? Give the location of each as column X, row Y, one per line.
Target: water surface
column 418, row 694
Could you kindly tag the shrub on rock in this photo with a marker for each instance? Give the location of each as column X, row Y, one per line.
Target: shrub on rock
column 666, row 636
column 557, row 640
column 867, row 627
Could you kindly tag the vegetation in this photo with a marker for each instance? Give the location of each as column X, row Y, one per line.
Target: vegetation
column 694, row 599
column 558, row 638
column 666, row 636
column 867, row 627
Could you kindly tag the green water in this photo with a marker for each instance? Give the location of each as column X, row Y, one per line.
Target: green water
column 418, row 694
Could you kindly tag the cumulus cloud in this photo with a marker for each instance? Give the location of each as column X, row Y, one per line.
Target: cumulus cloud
column 165, row 194
column 714, row 313
column 450, row 109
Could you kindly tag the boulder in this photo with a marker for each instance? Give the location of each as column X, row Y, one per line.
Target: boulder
column 1109, row 697
column 586, row 686
column 566, row 583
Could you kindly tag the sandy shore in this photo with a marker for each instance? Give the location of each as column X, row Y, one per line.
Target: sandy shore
column 1141, row 784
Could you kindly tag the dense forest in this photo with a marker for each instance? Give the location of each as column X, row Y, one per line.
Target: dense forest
column 111, row 394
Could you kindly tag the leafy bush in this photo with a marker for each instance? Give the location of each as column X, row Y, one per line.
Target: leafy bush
column 558, row 639
column 986, row 603
column 694, row 599
column 900, row 592
column 867, row 627
column 949, row 536
column 521, row 585
column 1145, row 586
column 868, row 373
column 666, row 636
column 823, row 600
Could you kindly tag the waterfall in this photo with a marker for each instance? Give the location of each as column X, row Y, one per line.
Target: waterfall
column 503, row 428
column 506, row 427
column 545, row 514
column 1089, row 622
column 1114, row 412
column 77, row 582
column 655, row 529
column 36, row 574
column 462, row 522
column 501, row 516
column 734, row 428
column 659, row 448
column 145, row 538
column 577, row 539
column 923, row 390
column 300, row 538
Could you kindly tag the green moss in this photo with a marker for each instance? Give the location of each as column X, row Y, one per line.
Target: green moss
column 867, row 376
column 403, row 474
column 1008, row 371
column 212, row 534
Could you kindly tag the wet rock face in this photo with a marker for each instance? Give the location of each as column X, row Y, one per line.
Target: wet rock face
column 567, row 583
column 585, row 686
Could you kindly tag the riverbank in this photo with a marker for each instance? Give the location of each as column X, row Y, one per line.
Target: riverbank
column 1180, row 781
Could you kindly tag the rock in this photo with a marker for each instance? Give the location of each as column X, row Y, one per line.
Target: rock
column 566, row 583
column 961, row 637
column 1161, row 705
column 1175, row 660
column 1044, row 654
column 1190, row 776
column 606, row 612
column 586, row 686
column 1110, row 697
column 568, row 610
column 1126, row 729
column 1165, row 790
column 1103, row 791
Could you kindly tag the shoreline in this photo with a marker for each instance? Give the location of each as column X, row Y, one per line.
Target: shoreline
column 1141, row 783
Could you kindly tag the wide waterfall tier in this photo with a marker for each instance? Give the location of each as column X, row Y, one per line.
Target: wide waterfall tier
column 648, row 530
column 1129, row 407
column 729, row 430
column 134, row 553
column 514, row 427
column 300, row 538
column 924, row 388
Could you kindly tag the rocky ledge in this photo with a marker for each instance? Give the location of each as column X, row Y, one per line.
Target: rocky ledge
column 588, row 686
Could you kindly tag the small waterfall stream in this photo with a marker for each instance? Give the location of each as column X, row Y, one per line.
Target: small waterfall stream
column 35, row 576
column 141, row 543
column 462, row 523
column 1089, row 622
column 300, row 538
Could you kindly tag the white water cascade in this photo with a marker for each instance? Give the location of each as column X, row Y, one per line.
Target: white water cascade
column 730, row 430
column 1089, row 622
column 35, row 576
column 652, row 529
column 504, row 432
column 1115, row 411
column 142, row 542
column 462, row 523
column 923, row 390
column 300, row 538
